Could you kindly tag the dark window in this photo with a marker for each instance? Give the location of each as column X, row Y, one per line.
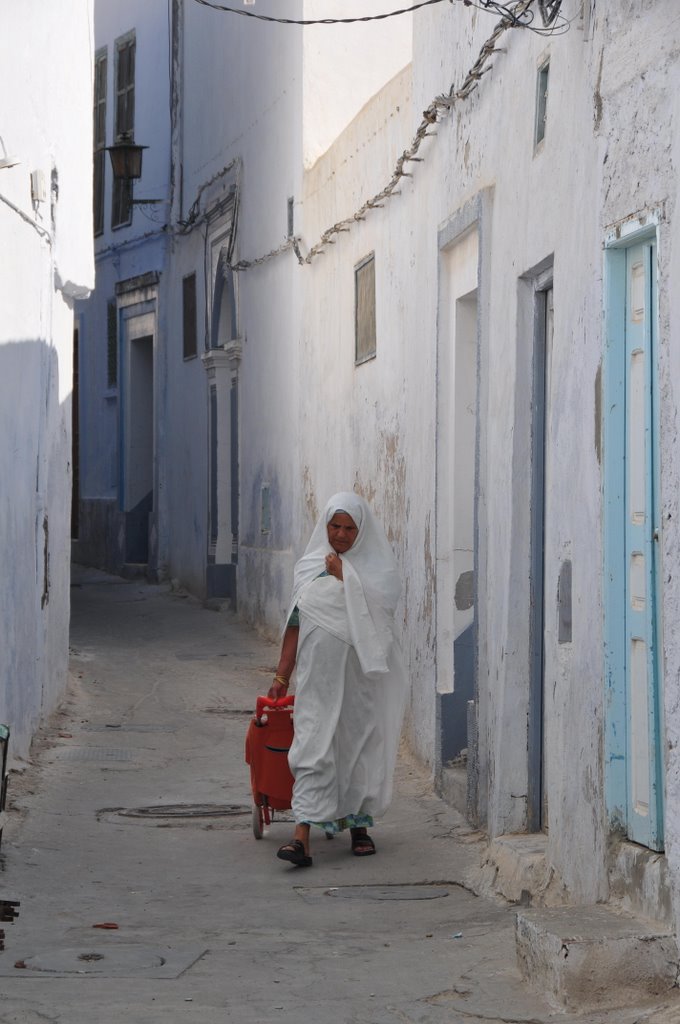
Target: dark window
column 100, row 71
column 364, row 309
column 121, row 212
column 112, row 345
column 213, row 472
column 189, row 315
column 265, row 509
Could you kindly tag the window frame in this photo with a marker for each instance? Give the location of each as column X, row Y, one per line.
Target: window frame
column 541, row 112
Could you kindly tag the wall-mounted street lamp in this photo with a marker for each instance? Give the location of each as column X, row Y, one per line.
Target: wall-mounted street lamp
column 126, row 161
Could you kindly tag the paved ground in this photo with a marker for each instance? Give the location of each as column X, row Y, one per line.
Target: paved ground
column 210, row 926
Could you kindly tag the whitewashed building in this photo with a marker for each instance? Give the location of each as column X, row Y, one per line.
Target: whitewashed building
column 46, row 263
column 486, row 352
column 515, row 426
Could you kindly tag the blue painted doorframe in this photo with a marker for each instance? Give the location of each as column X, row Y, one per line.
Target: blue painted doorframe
column 633, row 733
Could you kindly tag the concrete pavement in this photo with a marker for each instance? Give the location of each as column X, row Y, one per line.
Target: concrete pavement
column 135, row 811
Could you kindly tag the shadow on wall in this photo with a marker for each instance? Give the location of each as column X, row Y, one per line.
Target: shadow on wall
column 35, row 501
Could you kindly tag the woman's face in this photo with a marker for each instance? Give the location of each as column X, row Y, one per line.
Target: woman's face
column 342, row 532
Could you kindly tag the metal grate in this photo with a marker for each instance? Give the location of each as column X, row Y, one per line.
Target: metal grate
column 94, row 754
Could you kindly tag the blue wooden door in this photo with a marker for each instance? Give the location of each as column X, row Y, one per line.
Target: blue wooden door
column 642, row 525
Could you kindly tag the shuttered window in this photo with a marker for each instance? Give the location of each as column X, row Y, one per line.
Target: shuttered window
column 364, row 309
column 121, row 212
column 100, row 72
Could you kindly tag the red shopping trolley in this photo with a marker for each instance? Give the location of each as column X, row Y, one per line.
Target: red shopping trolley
column 268, row 740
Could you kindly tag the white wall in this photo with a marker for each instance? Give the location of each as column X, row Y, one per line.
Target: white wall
column 45, row 261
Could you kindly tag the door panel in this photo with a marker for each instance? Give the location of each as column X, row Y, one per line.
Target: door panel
column 644, row 746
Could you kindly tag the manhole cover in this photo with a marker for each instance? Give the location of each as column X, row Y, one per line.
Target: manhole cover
column 79, row 961
column 175, row 811
column 388, row 892
column 125, row 960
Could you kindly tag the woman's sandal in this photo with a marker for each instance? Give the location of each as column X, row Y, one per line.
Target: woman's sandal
column 294, row 853
column 362, row 844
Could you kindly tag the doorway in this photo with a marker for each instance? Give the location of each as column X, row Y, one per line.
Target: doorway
column 456, row 508
column 221, row 362
column 542, row 522
column 138, row 447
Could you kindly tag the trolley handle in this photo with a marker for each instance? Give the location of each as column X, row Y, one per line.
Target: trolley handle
column 272, row 703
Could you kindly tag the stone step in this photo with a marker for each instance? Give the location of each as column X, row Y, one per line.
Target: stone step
column 582, row 958
column 639, row 881
column 453, row 788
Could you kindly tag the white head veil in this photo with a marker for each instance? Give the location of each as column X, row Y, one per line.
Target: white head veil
column 371, row 579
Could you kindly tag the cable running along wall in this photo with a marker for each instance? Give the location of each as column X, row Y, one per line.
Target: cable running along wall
column 514, row 15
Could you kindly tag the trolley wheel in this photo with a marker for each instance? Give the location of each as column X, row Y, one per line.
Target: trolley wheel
column 258, row 830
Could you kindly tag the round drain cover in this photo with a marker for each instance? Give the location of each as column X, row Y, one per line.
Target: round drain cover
column 93, row 961
column 388, row 892
column 184, row 811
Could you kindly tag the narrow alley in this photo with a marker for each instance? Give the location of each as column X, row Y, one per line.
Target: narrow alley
column 134, row 813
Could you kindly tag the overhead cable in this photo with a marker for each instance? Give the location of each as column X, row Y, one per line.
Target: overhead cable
column 318, row 21
column 553, row 23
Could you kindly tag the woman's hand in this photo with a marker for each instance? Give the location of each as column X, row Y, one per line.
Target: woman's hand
column 279, row 688
column 334, row 566
column 286, row 665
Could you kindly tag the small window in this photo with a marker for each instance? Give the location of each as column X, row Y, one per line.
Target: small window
column 291, row 216
column 100, row 72
column 112, row 344
column 121, row 212
column 265, row 509
column 541, row 101
column 189, row 316
column 364, row 312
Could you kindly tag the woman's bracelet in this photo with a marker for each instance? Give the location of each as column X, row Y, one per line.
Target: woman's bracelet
column 282, row 680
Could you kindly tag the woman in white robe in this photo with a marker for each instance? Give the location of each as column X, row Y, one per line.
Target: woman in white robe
column 341, row 641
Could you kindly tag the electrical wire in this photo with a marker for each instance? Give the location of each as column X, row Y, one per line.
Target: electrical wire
column 43, row 232
column 319, row 21
column 553, row 22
